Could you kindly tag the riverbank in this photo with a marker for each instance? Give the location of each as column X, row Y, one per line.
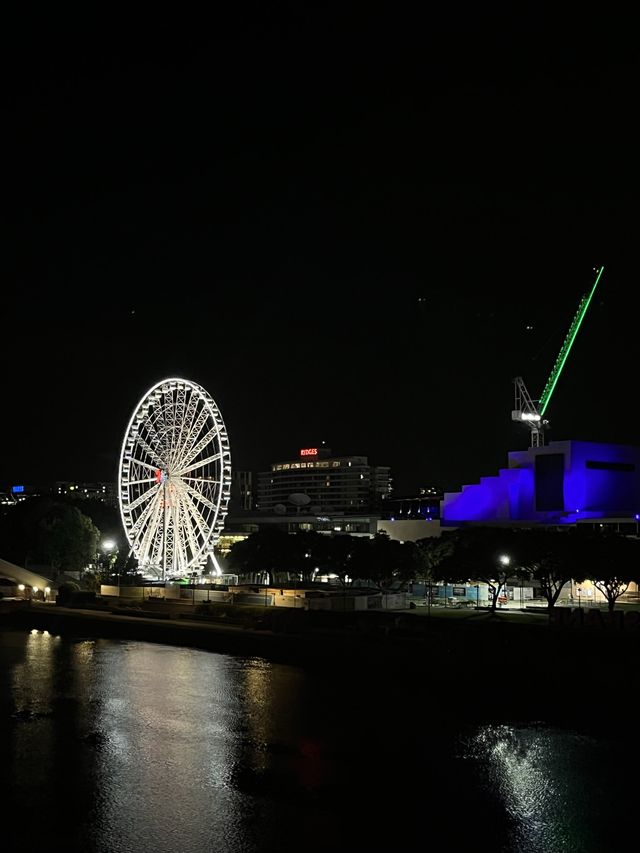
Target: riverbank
column 476, row 666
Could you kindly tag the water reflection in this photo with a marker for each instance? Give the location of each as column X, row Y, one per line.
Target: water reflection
column 556, row 788
column 118, row 746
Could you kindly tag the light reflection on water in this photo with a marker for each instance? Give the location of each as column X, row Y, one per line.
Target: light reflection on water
column 117, row 746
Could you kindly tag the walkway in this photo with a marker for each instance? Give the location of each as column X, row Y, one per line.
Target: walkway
column 20, row 575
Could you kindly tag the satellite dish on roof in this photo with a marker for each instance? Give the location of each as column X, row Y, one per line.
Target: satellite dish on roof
column 280, row 509
column 299, row 499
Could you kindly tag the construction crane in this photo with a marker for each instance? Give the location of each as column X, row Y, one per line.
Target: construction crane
column 531, row 412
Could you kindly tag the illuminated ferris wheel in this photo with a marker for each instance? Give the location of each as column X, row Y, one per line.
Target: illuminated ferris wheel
column 174, row 479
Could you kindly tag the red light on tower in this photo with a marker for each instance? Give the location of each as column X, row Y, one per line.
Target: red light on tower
column 309, row 451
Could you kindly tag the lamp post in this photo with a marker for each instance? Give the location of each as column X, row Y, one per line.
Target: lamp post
column 106, row 547
column 504, row 560
column 47, row 590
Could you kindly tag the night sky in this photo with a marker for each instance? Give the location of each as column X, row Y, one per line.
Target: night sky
column 340, row 224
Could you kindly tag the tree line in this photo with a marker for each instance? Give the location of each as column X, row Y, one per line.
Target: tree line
column 62, row 535
column 65, row 536
column 549, row 557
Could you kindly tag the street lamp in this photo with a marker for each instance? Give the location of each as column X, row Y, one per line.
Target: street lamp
column 106, row 547
column 504, row 560
column 47, row 590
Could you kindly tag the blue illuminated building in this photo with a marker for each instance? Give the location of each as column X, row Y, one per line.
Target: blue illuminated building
column 565, row 482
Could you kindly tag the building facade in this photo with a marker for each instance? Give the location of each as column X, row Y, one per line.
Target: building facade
column 565, row 482
column 324, row 483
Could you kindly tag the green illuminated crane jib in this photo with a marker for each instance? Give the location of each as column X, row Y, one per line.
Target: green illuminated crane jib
column 566, row 346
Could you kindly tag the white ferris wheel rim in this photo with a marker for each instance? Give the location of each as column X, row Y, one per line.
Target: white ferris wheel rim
column 174, row 477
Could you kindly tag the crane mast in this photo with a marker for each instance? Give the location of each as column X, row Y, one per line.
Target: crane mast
column 531, row 412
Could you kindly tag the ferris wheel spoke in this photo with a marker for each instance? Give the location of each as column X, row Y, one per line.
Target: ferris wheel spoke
column 189, row 535
column 145, row 496
column 186, row 536
column 143, row 518
column 158, row 445
column 197, row 517
column 182, row 472
column 150, row 452
column 138, row 463
column 196, row 443
column 152, row 525
column 191, row 501
column 186, row 424
column 199, row 497
column 192, row 436
column 183, row 549
column 146, row 480
column 150, row 428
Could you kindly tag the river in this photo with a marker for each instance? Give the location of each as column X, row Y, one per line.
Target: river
column 119, row 745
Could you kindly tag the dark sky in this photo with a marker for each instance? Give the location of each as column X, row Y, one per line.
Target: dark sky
column 339, row 223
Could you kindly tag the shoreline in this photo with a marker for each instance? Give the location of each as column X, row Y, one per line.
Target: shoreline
column 491, row 671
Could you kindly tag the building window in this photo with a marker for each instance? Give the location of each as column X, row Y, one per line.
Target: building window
column 611, row 466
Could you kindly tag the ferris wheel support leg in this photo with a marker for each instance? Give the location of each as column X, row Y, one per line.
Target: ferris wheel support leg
column 216, row 564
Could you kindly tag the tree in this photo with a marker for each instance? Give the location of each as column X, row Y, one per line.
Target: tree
column 383, row 561
column 549, row 556
column 430, row 552
column 610, row 561
column 482, row 553
column 66, row 539
column 267, row 553
column 310, row 551
column 50, row 532
column 66, row 591
column 345, row 557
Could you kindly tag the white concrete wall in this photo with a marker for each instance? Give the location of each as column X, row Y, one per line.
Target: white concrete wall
column 409, row 531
